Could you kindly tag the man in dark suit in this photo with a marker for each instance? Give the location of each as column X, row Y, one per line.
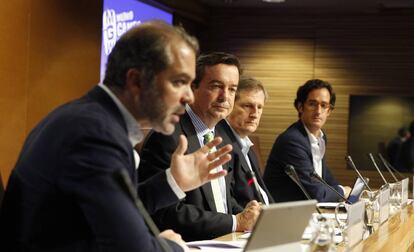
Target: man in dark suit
column 406, row 161
column 208, row 211
column 61, row 195
column 395, row 145
column 242, row 122
column 303, row 145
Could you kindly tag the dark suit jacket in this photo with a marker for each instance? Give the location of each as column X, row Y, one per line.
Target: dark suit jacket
column 242, row 190
column 61, row 195
column 293, row 147
column 406, row 160
column 195, row 218
column 394, row 151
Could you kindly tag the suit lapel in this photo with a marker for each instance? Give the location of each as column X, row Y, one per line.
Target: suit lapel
column 189, row 131
column 255, row 166
column 299, row 125
column 100, row 96
column 193, row 145
column 223, row 130
column 254, row 162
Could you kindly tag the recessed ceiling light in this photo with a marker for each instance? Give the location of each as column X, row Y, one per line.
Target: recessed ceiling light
column 273, row 1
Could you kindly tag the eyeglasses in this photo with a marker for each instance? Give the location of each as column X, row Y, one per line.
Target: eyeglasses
column 314, row 105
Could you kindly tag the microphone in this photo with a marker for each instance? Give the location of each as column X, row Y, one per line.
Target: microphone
column 390, row 167
column 315, row 175
column 257, row 187
column 123, row 180
column 291, row 172
column 376, row 167
column 352, row 164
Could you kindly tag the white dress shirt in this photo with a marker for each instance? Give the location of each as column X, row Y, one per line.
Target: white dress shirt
column 246, row 143
column 318, row 148
column 201, row 129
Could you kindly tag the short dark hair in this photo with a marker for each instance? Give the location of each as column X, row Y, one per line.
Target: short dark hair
column 144, row 47
column 247, row 83
column 213, row 59
column 305, row 89
column 402, row 132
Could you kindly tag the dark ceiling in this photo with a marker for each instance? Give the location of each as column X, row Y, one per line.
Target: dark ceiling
column 340, row 5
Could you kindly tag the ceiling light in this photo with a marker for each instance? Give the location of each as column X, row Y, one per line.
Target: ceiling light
column 273, row 1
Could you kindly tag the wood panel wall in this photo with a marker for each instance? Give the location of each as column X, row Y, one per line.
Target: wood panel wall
column 49, row 53
column 361, row 54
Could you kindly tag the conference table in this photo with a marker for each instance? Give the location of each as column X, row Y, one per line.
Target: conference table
column 396, row 234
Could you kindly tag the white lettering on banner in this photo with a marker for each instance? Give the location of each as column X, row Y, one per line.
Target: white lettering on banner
column 114, row 25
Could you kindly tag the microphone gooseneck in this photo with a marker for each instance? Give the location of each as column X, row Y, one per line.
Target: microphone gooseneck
column 257, row 187
column 390, row 168
column 352, row 164
column 371, row 157
column 291, row 172
column 315, row 175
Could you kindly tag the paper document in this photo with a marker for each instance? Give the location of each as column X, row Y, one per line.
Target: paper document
column 327, row 204
column 212, row 245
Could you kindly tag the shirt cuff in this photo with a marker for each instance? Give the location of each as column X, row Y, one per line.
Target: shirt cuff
column 173, row 184
column 233, row 229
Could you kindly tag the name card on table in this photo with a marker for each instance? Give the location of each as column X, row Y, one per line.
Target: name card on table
column 355, row 222
column 384, row 205
column 404, row 191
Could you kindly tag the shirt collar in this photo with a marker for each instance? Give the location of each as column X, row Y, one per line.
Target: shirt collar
column 244, row 142
column 312, row 137
column 200, row 127
column 135, row 134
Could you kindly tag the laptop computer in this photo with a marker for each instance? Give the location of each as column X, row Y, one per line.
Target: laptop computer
column 280, row 227
column 357, row 189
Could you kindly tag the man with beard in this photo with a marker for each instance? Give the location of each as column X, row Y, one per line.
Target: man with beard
column 303, row 145
column 208, row 211
column 61, row 195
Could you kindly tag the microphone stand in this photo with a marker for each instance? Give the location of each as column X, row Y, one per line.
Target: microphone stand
column 291, row 172
column 390, row 167
column 257, row 187
column 376, row 167
column 315, row 175
column 352, row 164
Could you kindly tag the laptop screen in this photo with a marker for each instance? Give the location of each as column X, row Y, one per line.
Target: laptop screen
column 280, row 223
column 357, row 189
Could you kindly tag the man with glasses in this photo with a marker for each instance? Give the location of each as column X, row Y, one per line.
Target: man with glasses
column 303, row 146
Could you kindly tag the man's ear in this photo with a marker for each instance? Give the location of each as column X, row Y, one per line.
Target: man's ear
column 300, row 107
column 133, row 80
column 328, row 113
